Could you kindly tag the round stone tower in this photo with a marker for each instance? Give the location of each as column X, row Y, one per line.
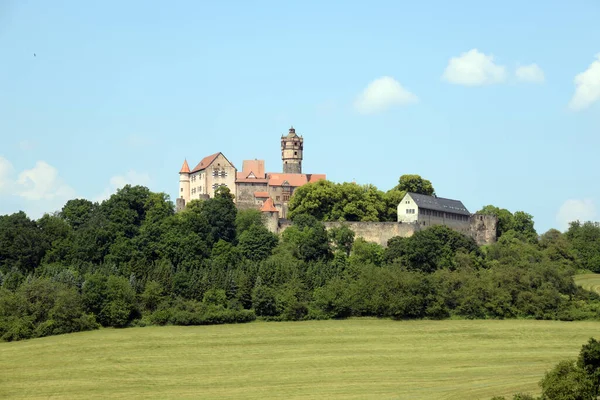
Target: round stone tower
column 184, row 183
column 291, row 152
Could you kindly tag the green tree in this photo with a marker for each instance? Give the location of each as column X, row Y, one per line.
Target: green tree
column 257, row 242
column 220, row 212
column 342, row 238
column 589, row 361
column 22, row 243
column 246, row 218
column 308, row 238
column 415, row 184
column 566, row 381
column 77, row 212
column 585, row 239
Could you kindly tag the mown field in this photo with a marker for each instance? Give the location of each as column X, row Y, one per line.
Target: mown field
column 589, row 281
column 356, row 358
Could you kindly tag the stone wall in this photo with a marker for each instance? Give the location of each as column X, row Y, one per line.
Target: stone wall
column 482, row 228
column 244, row 196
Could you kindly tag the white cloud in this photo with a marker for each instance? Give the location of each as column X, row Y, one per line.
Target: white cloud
column 6, row 171
column 530, row 73
column 573, row 210
column 118, row 181
column 382, row 94
column 587, row 87
column 43, row 183
column 474, row 68
column 36, row 190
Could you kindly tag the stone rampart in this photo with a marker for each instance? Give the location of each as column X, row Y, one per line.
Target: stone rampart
column 482, row 228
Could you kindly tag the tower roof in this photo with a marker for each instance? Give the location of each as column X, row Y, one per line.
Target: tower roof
column 185, row 168
column 292, row 132
column 268, row 206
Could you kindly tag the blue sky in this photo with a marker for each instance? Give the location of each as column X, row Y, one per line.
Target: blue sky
column 495, row 103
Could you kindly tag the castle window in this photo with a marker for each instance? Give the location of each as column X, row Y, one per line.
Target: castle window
column 286, row 197
column 194, row 191
column 295, row 153
column 182, row 190
column 277, row 198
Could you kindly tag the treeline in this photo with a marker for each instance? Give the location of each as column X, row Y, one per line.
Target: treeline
column 577, row 379
column 132, row 260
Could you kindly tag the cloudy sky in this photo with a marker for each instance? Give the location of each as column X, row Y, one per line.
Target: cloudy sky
column 494, row 102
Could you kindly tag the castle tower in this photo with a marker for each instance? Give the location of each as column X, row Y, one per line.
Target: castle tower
column 291, row 152
column 183, row 197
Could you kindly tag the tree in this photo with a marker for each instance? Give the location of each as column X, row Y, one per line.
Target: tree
column 431, row 249
column 364, row 252
column 22, row 243
column 308, row 238
column 77, row 212
column 246, row 218
column 220, row 212
column 567, row 381
column 342, row 238
column 523, row 224
column 589, row 361
column 415, row 184
column 585, row 239
column 257, row 242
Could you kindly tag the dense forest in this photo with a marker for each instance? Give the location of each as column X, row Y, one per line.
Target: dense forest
column 132, row 261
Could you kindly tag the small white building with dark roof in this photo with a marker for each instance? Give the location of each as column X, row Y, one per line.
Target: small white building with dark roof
column 431, row 210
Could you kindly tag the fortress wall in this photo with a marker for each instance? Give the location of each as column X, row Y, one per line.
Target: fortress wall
column 483, row 229
column 377, row 232
column 463, row 227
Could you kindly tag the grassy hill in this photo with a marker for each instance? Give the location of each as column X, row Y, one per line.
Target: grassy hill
column 357, row 358
column 589, row 281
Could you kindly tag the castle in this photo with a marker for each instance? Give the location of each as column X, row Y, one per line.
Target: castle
column 270, row 192
column 251, row 186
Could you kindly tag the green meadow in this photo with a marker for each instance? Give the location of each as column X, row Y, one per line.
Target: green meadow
column 589, row 282
column 355, row 358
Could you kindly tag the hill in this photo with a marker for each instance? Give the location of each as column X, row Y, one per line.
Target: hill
column 589, row 282
column 355, row 358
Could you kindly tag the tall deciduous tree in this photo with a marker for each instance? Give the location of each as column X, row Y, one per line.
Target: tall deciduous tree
column 415, row 184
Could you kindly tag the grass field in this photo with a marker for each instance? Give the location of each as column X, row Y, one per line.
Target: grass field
column 356, row 358
column 589, row 281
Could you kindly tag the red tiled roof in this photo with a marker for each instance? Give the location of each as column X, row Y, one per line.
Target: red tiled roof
column 294, row 180
column 261, row 195
column 268, row 206
column 242, row 177
column 316, row 177
column 206, row 161
column 185, row 168
column 256, row 167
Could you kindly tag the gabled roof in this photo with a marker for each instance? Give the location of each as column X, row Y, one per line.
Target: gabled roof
column 439, row 204
column 268, row 206
column 205, row 162
column 242, row 177
column 185, row 168
column 208, row 160
column 294, row 180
